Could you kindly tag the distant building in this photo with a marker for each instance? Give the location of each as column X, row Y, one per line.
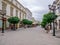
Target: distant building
column 28, row 14
column 34, row 21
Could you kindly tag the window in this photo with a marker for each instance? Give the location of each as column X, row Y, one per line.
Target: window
column 24, row 16
column 20, row 15
column 11, row 11
column 59, row 9
column 55, row 24
column 16, row 12
column 59, row 24
column 4, row 6
column 11, row 0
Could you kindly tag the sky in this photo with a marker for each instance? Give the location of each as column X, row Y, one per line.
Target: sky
column 37, row 7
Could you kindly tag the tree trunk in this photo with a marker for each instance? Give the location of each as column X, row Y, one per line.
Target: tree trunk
column 25, row 26
column 50, row 26
column 11, row 26
column 14, row 27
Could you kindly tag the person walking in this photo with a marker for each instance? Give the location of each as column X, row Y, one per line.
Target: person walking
column 47, row 28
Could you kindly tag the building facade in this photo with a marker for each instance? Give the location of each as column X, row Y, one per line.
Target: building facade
column 28, row 14
column 12, row 8
column 58, row 14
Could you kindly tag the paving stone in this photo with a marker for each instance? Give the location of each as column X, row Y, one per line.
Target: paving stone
column 28, row 36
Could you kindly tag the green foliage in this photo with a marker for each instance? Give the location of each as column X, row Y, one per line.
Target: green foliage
column 48, row 18
column 13, row 20
column 43, row 23
column 29, row 22
column 26, row 22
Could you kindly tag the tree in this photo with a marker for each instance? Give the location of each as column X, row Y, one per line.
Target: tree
column 13, row 20
column 48, row 18
column 26, row 22
column 29, row 22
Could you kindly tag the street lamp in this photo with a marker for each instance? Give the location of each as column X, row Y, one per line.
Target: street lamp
column 3, row 13
column 53, row 9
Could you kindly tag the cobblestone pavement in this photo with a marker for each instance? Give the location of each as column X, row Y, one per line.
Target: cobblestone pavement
column 29, row 36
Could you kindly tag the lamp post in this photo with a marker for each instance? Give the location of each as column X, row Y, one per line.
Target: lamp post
column 53, row 9
column 3, row 19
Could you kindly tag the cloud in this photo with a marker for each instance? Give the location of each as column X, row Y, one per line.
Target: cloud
column 37, row 7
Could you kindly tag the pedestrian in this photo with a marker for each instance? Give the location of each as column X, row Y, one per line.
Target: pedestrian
column 47, row 28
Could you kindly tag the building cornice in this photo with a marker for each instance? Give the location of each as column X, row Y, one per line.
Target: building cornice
column 14, row 5
column 57, row 1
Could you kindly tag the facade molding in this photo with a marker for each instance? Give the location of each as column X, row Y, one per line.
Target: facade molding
column 13, row 5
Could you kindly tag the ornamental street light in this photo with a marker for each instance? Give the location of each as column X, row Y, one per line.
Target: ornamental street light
column 53, row 9
column 3, row 13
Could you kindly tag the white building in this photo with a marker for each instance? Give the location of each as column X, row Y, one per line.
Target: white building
column 28, row 14
column 57, row 13
column 12, row 8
